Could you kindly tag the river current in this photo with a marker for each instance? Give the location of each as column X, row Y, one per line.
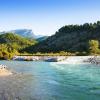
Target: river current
column 51, row 81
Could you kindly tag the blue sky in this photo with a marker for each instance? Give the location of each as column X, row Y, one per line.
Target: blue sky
column 45, row 17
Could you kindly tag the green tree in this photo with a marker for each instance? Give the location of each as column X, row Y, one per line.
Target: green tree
column 93, row 47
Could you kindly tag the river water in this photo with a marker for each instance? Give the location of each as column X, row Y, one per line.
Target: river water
column 51, row 81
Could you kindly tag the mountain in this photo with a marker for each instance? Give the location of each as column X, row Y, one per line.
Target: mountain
column 27, row 33
column 69, row 38
column 24, row 32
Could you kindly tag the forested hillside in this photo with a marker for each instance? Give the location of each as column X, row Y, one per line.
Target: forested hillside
column 70, row 38
column 11, row 44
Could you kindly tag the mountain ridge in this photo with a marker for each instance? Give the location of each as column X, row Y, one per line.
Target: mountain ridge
column 27, row 33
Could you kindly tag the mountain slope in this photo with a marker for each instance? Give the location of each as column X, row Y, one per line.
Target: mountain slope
column 71, row 38
column 11, row 44
column 14, row 39
column 42, row 38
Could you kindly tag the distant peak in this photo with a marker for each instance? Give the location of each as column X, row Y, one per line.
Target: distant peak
column 27, row 33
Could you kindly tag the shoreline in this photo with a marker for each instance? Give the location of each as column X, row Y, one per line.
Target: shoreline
column 67, row 59
column 61, row 59
column 40, row 58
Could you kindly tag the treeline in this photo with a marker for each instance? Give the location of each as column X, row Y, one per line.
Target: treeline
column 70, row 38
column 61, row 53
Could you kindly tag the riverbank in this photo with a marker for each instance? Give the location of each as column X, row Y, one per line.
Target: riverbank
column 61, row 59
column 81, row 60
column 40, row 58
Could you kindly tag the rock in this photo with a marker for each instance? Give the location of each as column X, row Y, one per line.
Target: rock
column 4, row 71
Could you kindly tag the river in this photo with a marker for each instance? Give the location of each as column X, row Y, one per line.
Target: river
column 51, row 81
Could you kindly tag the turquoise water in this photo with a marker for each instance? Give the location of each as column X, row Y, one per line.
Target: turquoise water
column 50, row 81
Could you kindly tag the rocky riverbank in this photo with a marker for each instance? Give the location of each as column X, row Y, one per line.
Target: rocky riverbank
column 40, row 58
column 81, row 60
column 94, row 60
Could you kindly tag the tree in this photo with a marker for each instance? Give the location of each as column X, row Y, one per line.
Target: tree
column 93, row 46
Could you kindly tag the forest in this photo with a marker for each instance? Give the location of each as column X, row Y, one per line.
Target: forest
column 70, row 38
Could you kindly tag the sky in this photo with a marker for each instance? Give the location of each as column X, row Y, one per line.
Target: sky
column 45, row 17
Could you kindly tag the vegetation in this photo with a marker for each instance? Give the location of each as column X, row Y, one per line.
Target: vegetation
column 70, row 38
column 93, row 47
column 7, row 52
column 61, row 53
column 11, row 44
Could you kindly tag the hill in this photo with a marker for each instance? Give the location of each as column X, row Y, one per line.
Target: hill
column 10, row 38
column 12, row 43
column 70, row 38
